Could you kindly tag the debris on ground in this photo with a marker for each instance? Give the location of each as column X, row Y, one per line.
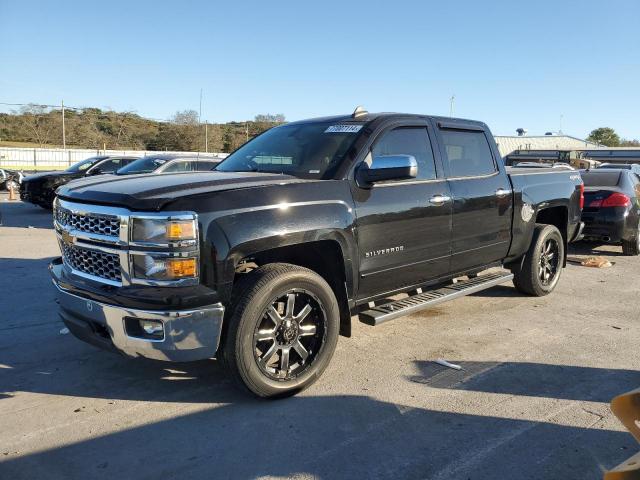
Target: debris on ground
column 594, row 262
column 444, row 363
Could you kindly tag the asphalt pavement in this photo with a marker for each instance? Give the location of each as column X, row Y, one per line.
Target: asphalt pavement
column 531, row 401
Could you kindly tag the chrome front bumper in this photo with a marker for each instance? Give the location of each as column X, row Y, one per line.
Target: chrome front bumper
column 188, row 334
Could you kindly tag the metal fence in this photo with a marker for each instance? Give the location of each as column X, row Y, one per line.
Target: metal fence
column 60, row 159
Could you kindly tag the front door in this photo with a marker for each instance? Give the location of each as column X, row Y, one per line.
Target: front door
column 403, row 227
column 482, row 200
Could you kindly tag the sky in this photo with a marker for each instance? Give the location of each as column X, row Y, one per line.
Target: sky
column 542, row 65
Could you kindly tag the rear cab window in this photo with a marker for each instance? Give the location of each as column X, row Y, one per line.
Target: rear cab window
column 467, row 153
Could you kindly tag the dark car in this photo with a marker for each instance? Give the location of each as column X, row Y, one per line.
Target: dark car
column 40, row 188
column 168, row 163
column 264, row 261
column 612, row 207
column 633, row 167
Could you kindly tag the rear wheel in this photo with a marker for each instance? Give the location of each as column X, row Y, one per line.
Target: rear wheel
column 632, row 247
column 540, row 270
column 283, row 330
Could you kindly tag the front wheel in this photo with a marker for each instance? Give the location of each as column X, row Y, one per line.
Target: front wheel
column 540, row 270
column 282, row 330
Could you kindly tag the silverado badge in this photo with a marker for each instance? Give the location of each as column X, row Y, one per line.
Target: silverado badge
column 383, row 251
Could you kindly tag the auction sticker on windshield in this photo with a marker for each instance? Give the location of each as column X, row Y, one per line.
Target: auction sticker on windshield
column 343, row 129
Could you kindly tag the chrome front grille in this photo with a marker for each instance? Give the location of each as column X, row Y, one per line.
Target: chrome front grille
column 100, row 224
column 92, row 262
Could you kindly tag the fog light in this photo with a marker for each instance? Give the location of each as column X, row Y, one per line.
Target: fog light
column 151, row 327
column 144, row 329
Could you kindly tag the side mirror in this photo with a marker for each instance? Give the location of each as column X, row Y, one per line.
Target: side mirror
column 387, row 167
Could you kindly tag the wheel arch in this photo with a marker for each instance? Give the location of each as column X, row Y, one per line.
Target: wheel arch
column 325, row 257
column 558, row 216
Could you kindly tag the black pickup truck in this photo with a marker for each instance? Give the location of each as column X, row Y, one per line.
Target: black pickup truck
column 264, row 262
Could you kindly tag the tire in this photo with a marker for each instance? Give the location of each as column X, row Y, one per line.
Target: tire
column 267, row 318
column 538, row 274
column 632, row 247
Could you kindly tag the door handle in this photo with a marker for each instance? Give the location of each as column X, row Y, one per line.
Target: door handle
column 501, row 193
column 438, row 200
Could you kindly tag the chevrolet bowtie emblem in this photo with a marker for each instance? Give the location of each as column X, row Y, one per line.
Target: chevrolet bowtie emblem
column 67, row 237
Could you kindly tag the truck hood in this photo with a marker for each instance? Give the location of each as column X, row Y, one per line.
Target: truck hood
column 152, row 192
column 39, row 177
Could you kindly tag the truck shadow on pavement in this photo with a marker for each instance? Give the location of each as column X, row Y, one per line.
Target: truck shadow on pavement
column 329, row 437
column 530, row 379
column 589, row 248
column 334, row 436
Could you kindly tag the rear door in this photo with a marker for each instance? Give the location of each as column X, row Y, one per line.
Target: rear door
column 403, row 238
column 482, row 197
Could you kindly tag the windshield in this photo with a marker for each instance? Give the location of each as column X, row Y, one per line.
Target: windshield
column 309, row 150
column 143, row 165
column 84, row 164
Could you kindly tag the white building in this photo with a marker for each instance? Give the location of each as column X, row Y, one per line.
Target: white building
column 510, row 143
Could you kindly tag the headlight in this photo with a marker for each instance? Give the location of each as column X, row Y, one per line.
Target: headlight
column 165, row 249
column 151, row 267
column 163, row 231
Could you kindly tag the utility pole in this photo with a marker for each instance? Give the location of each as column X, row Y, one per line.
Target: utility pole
column 64, row 136
column 560, row 131
column 451, row 101
column 246, row 127
column 206, row 137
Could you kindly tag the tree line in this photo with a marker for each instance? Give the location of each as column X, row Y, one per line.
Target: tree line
column 95, row 128
column 607, row 136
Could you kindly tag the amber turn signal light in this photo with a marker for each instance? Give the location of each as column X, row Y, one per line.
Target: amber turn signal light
column 181, row 267
column 179, row 230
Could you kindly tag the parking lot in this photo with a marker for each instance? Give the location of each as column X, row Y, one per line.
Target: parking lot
column 532, row 399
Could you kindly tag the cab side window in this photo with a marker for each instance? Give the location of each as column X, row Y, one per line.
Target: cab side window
column 179, row 166
column 109, row 166
column 408, row 141
column 205, row 165
column 467, row 153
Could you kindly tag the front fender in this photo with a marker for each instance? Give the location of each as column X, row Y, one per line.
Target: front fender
column 234, row 234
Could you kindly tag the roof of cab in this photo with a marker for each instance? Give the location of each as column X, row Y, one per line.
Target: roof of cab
column 370, row 117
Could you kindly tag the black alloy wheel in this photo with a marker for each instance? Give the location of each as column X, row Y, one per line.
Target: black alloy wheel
column 290, row 334
column 548, row 265
column 281, row 330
